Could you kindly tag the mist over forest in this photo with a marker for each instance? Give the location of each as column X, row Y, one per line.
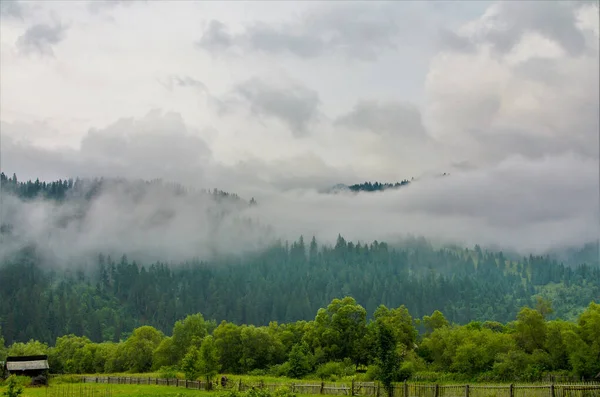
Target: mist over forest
column 151, row 252
column 251, row 171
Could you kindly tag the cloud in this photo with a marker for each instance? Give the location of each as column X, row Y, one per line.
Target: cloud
column 184, row 81
column 294, row 105
column 509, row 107
column 11, row 9
column 496, row 206
column 553, row 19
column 40, row 38
column 506, row 23
column 215, row 37
column 538, row 96
column 357, row 31
column 97, row 6
column 402, row 119
column 158, row 145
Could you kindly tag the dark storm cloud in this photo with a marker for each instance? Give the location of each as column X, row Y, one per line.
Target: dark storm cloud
column 294, row 105
column 40, row 38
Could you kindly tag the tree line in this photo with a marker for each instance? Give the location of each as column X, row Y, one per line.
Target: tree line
column 392, row 346
column 105, row 299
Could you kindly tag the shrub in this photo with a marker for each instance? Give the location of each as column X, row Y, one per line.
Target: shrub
column 407, row 369
column 284, row 391
column 168, row 372
column 280, row 370
column 334, row 370
column 373, row 373
column 255, row 392
column 258, row 372
column 58, row 379
column 15, row 388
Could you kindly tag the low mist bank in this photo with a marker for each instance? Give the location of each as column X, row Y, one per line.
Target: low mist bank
column 520, row 206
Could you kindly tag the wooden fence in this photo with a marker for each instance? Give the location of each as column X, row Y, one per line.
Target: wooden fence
column 583, row 389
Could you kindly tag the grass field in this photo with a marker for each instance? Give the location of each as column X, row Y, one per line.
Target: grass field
column 93, row 390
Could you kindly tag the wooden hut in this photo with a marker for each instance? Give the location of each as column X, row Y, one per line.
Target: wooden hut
column 35, row 367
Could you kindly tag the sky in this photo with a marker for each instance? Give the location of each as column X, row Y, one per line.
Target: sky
column 257, row 97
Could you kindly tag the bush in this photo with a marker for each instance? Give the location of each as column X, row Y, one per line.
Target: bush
column 231, row 393
column 167, row 372
column 373, row 373
column 15, row 388
column 284, row 391
column 254, row 392
column 258, row 372
column 58, row 379
column 334, row 370
column 407, row 369
column 280, row 370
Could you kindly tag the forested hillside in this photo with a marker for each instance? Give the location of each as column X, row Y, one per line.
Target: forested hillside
column 106, row 297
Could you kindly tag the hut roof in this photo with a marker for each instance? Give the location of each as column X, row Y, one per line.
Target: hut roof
column 27, row 363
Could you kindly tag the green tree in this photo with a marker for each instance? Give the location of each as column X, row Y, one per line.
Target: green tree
column 543, row 306
column 67, row 356
column 228, row 340
column 401, row 323
column 339, row 330
column 31, row 348
column 530, row 330
column 190, row 364
column 186, row 331
column 209, row 365
column 164, row 355
column 388, row 359
column 299, row 361
column 435, row 321
column 138, row 349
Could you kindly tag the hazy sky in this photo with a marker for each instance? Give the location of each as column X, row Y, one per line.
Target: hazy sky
column 246, row 96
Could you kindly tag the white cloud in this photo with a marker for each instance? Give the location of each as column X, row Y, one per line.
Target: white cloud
column 307, row 95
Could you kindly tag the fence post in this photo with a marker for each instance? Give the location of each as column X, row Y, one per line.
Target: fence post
column 512, row 390
column 186, row 383
column 322, row 387
column 377, row 390
column 437, row 390
column 552, row 390
column 466, row 390
column 352, row 388
column 405, row 390
column 240, row 385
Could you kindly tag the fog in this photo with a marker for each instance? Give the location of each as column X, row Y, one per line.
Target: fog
column 281, row 102
column 520, row 205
